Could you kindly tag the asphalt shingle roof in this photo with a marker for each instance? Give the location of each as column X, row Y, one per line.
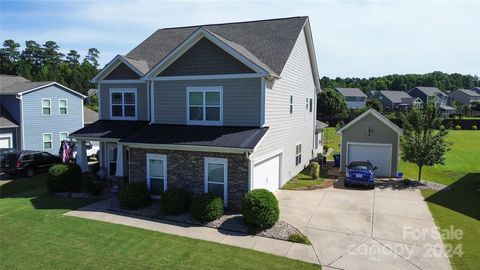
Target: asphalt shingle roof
column 397, row 96
column 351, row 92
column 268, row 43
column 469, row 92
column 212, row 136
column 110, row 129
column 429, row 91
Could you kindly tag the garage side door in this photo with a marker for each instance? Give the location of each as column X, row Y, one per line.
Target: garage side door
column 379, row 155
column 266, row 174
column 5, row 140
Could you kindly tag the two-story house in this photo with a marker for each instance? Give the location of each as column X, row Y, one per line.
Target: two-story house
column 221, row 108
column 354, row 97
column 463, row 96
column 429, row 95
column 396, row 100
column 37, row 115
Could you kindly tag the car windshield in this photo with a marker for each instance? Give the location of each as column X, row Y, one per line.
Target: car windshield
column 360, row 166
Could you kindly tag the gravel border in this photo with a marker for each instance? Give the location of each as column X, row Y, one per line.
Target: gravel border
column 228, row 222
column 410, row 184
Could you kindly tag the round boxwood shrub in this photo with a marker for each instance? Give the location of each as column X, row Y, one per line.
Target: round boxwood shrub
column 315, row 170
column 260, row 208
column 458, row 127
column 64, row 177
column 206, row 206
column 134, row 195
column 474, row 127
column 175, row 201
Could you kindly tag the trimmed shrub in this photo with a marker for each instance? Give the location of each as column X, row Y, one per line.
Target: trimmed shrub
column 64, row 178
column 458, row 127
column 134, row 195
column 315, row 170
column 442, row 127
column 474, row 127
column 260, row 208
column 325, row 148
column 299, row 238
column 206, row 206
column 94, row 187
column 175, row 201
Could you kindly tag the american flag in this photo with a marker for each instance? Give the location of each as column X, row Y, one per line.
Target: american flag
column 66, row 152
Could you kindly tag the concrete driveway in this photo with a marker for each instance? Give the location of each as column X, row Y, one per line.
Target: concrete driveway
column 366, row 229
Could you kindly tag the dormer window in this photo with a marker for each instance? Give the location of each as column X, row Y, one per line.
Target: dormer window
column 205, row 105
column 123, row 103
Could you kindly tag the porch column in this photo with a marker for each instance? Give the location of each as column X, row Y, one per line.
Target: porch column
column 81, row 158
column 120, row 172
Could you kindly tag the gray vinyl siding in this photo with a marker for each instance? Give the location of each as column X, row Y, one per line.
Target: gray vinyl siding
column 381, row 133
column 241, row 100
column 461, row 97
column 285, row 129
column 387, row 103
column 122, row 72
column 142, row 99
column 12, row 104
column 15, row 135
column 205, row 58
column 35, row 123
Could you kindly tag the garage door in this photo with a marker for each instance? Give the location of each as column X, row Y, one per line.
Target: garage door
column 266, row 174
column 379, row 155
column 6, row 141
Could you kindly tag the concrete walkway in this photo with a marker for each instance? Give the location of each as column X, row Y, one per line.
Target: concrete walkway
column 366, row 229
column 99, row 211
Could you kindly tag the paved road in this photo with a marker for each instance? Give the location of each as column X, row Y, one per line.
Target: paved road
column 366, row 229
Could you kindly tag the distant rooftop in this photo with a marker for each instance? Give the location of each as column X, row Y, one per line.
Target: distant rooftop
column 351, row 92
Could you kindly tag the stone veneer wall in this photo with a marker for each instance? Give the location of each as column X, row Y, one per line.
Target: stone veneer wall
column 185, row 169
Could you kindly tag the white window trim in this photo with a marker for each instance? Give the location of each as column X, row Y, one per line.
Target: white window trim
column 299, row 154
column 204, row 89
column 291, row 100
column 50, row 107
column 224, row 162
column 306, row 104
column 164, row 159
column 60, row 134
column 43, row 141
column 66, row 106
column 123, row 91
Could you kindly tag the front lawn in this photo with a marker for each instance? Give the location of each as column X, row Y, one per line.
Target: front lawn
column 464, row 158
column 303, row 180
column 35, row 235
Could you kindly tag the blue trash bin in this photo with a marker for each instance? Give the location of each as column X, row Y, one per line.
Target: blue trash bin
column 336, row 160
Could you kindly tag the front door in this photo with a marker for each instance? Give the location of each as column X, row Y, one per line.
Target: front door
column 112, row 159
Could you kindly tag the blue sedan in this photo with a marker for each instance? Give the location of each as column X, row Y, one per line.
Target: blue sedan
column 360, row 173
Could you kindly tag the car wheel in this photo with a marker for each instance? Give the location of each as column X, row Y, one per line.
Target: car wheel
column 30, row 172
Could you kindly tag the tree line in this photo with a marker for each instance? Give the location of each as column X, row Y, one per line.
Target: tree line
column 441, row 80
column 46, row 63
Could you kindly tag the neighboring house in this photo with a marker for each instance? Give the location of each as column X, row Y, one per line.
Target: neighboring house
column 320, row 126
column 371, row 137
column 447, row 111
column 396, row 100
column 91, row 93
column 371, row 93
column 221, row 108
column 89, row 116
column 354, row 97
column 463, row 96
column 476, row 90
column 38, row 114
column 429, row 94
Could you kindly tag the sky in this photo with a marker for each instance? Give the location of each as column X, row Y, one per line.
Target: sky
column 351, row 38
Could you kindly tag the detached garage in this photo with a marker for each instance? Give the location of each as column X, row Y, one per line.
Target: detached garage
column 371, row 137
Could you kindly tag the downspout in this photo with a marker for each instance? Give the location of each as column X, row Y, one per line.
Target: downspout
column 250, row 169
column 22, row 139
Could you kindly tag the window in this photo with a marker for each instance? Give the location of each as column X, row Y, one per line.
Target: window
column 311, row 104
column 298, row 154
column 306, row 103
column 46, row 106
column 62, row 106
column 216, row 177
column 291, row 103
column 63, row 136
column 123, row 103
column 156, row 174
column 205, row 105
column 47, row 141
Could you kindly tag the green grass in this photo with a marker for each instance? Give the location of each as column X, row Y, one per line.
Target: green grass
column 303, row 180
column 35, row 235
column 463, row 158
column 459, row 207
column 332, row 139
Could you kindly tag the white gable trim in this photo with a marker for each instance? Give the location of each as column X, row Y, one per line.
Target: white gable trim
column 192, row 40
column 378, row 115
column 50, row 84
column 311, row 53
column 114, row 63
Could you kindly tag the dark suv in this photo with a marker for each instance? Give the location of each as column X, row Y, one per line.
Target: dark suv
column 28, row 162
